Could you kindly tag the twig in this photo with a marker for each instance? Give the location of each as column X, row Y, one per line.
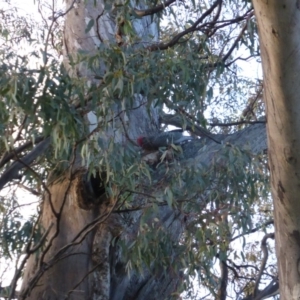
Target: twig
column 32, row 191
column 176, row 38
column 271, row 222
column 236, row 123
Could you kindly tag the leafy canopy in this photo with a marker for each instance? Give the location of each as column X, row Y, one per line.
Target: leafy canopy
column 193, row 68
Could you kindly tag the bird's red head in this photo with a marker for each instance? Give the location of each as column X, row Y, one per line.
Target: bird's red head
column 140, row 141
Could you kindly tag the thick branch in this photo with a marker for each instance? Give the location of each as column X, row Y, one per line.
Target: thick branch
column 10, row 155
column 13, row 171
column 178, row 121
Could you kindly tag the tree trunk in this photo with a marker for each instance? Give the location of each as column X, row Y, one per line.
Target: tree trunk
column 75, row 262
column 60, row 272
column 279, row 27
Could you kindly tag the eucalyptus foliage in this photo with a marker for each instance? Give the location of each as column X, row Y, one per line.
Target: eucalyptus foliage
column 219, row 201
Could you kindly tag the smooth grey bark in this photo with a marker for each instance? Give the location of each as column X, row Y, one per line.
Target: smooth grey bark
column 279, row 27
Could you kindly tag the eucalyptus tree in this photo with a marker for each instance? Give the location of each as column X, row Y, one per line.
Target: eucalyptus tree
column 116, row 222
column 278, row 29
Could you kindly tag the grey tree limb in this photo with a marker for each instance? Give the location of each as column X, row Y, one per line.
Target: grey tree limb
column 13, row 172
column 198, row 151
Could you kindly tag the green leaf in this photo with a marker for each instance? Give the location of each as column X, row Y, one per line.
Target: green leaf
column 89, row 25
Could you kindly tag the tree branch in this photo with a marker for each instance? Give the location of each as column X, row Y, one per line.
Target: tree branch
column 271, row 222
column 153, row 10
column 177, row 121
column 271, row 290
column 13, row 171
column 236, row 123
column 225, row 57
column 10, row 155
column 222, row 294
column 264, row 261
column 176, row 38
